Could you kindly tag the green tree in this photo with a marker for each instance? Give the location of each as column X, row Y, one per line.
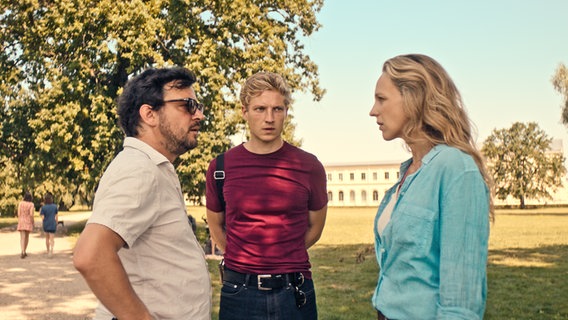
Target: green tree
column 560, row 82
column 522, row 163
column 16, row 146
column 11, row 196
column 64, row 62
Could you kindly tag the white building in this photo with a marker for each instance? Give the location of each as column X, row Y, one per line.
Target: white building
column 364, row 184
column 359, row 184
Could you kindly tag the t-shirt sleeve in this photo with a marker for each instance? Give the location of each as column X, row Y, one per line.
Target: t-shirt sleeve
column 127, row 202
column 318, row 187
column 211, row 193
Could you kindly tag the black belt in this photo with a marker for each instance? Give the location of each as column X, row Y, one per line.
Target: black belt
column 381, row 316
column 264, row 281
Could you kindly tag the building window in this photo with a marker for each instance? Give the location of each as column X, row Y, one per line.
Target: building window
column 363, row 195
column 375, row 195
column 352, row 196
column 351, row 176
column 330, row 196
column 340, row 195
column 375, row 176
column 329, row 177
column 341, row 177
column 363, row 176
column 386, row 175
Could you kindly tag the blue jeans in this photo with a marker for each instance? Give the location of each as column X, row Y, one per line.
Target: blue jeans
column 241, row 302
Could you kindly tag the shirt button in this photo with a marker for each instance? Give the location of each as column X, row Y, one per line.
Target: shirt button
column 383, row 250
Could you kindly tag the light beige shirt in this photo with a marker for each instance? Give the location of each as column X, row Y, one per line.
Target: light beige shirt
column 139, row 197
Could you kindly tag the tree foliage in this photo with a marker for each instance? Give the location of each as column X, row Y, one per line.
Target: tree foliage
column 522, row 163
column 560, row 82
column 64, row 62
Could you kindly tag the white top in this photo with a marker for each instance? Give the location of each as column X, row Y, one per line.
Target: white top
column 387, row 212
column 139, row 197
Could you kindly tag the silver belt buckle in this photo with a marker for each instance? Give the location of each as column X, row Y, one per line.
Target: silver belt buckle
column 259, row 281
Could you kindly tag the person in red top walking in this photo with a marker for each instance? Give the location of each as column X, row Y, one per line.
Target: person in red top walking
column 275, row 209
column 25, row 222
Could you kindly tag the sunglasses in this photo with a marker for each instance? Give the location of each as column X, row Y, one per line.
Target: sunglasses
column 301, row 298
column 190, row 104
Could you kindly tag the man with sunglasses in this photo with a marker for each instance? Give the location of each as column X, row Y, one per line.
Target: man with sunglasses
column 138, row 252
column 275, row 209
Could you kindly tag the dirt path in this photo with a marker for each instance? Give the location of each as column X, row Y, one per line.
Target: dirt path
column 39, row 287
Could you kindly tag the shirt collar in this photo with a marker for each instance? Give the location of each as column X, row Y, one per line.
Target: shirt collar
column 142, row 146
column 433, row 153
column 426, row 159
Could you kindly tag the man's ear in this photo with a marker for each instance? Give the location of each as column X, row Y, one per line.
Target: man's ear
column 148, row 115
column 244, row 112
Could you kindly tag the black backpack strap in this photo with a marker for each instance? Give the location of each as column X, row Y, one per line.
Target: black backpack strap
column 219, row 176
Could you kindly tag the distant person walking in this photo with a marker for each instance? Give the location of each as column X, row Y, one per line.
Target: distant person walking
column 48, row 213
column 25, row 222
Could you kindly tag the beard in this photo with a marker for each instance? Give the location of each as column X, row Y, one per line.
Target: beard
column 178, row 142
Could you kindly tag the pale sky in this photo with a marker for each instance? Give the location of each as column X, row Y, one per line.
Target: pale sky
column 502, row 55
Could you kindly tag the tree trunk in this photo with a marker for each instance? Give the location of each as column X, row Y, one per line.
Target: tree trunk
column 522, row 198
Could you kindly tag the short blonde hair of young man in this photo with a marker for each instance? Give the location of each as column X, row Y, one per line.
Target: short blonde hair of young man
column 256, row 84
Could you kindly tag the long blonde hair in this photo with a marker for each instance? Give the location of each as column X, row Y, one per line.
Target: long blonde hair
column 434, row 107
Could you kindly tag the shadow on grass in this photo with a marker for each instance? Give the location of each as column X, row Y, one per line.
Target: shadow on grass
column 522, row 283
column 345, row 277
column 528, row 283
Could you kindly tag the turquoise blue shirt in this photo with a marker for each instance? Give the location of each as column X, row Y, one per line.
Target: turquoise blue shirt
column 433, row 252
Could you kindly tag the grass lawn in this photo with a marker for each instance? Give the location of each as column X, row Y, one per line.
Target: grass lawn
column 527, row 271
column 13, row 221
column 528, row 265
column 8, row 222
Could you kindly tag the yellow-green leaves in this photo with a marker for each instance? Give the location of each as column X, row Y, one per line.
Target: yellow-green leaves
column 64, row 62
column 560, row 82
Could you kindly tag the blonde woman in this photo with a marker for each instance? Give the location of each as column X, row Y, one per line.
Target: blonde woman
column 25, row 222
column 432, row 226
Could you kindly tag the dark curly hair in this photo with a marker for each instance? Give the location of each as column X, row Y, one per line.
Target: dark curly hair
column 148, row 88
